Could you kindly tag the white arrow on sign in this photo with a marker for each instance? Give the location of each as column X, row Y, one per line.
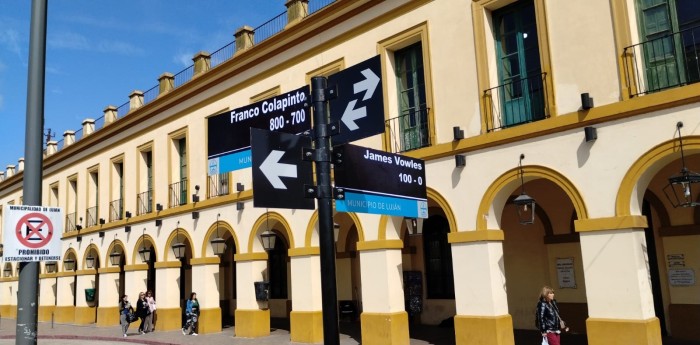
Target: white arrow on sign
column 273, row 169
column 369, row 85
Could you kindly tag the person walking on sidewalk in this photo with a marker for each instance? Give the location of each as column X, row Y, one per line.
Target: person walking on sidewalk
column 142, row 311
column 192, row 314
column 150, row 318
column 548, row 320
column 124, row 310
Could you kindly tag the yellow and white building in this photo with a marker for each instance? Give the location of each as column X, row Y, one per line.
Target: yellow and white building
column 510, row 74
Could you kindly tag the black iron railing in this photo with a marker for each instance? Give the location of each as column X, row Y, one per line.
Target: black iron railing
column 178, row 193
column 218, row 185
column 517, row 102
column 144, row 202
column 91, row 216
column 116, row 210
column 664, row 62
column 409, row 131
column 71, row 221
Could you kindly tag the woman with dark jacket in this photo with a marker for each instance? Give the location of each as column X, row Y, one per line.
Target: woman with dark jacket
column 142, row 311
column 124, row 311
column 548, row 320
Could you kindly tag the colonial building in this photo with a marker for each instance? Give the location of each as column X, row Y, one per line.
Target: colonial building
column 589, row 107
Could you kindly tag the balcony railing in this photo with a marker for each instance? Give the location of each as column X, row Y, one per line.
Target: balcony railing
column 91, row 216
column 178, row 193
column 517, row 102
column 116, row 210
column 218, row 185
column 409, row 131
column 664, row 62
column 71, row 221
column 144, row 202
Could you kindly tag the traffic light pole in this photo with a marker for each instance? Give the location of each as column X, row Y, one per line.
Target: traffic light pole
column 322, row 145
column 27, row 292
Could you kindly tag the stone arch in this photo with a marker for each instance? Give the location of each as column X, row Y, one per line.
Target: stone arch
column 116, row 243
column 311, row 228
column 143, row 238
column 222, row 226
column 433, row 197
column 504, row 185
column 635, row 182
column 177, row 232
column 261, row 222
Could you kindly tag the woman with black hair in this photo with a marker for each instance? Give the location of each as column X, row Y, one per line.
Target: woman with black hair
column 124, row 310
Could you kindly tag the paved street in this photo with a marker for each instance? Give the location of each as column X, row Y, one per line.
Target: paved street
column 61, row 334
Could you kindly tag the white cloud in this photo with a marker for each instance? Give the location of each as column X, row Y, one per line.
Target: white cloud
column 119, row 47
column 184, row 59
column 9, row 38
column 68, row 40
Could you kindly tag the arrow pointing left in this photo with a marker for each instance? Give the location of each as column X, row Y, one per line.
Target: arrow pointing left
column 273, row 169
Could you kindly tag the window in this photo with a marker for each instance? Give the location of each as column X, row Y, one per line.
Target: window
column 438, row 258
column 521, row 91
column 116, row 206
column 177, row 155
column 144, row 199
column 91, row 213
column 670, row 30
column 413, row 110
column 53, row 195
column 72, row 204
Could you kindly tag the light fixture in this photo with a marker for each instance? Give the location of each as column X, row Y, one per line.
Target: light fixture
column 69, row 264
column 178, row 247
column 79, row 238
column 115, row 257
column 79, row 226
column 195, row 196
column 239, row 187
column 268, row 240
column 50, row 267
column 101, row 234
column 159, row 207
column 586, row 101
column 127, row 214
column 144, row 253
column 460, row 161
column 679, row 190
column 90, row 261
column 336, row 231
column 8, row 271
column 240, row 206
column 102, row 221
column 415, row 226
column 524, row 203
column 159, row 222
column 590, row 133
column 218, row 244
column 457, row 133
column 2, row 249
column 195, row 215
column 127, row 229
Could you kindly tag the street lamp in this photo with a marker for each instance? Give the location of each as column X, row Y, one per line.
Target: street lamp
column 69, row 264
column 144, row 253
column 8, row 271
column 50, row 267
column 524, row 203
column 268, row 239
column 178, row 247
column 90, row 261
column 115, row 257
column 679, row 190
column 218, row 244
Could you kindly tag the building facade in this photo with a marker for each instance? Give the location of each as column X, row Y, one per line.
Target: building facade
column 575, row 103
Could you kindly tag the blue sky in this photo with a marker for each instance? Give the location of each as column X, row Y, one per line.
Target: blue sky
column 98, row 51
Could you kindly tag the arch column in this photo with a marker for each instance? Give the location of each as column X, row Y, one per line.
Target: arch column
column 65, row 310
column 84, row 313
column 205, row 271
column 108, row 310
column 618, row 285
column 306, row 318
column 47, row 296
column 252, row 321
column 480, row 294
column 384, row 319
column 167, row 293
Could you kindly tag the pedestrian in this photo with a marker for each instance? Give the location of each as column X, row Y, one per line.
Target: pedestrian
column 150, row 319
column 142, row 311
column 124, row 310
column 547, row 317
column 192, row 314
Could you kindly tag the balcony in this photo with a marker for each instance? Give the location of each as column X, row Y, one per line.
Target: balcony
column 116, row 210
column 71, row 222
column 218, row 185
column 409, row 131
column 91, row 216
column 662, row 63
column 519, row 101
column 144, row 202
column 178, row 193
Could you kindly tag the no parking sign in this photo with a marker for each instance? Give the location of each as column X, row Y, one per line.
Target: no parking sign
column 32, row 233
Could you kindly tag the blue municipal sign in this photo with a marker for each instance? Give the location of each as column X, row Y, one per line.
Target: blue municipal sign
column 392, row 205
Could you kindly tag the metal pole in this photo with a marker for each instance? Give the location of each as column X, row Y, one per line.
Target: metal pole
column 27, row 294
column 322, row 144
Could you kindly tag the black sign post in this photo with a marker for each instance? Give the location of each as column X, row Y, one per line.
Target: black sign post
column 279, row 173
column 359, row 106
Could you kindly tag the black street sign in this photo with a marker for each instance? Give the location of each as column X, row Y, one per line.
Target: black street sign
column 279, row 173
column 229, row 136
column 380, row 182
column 359, row 106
